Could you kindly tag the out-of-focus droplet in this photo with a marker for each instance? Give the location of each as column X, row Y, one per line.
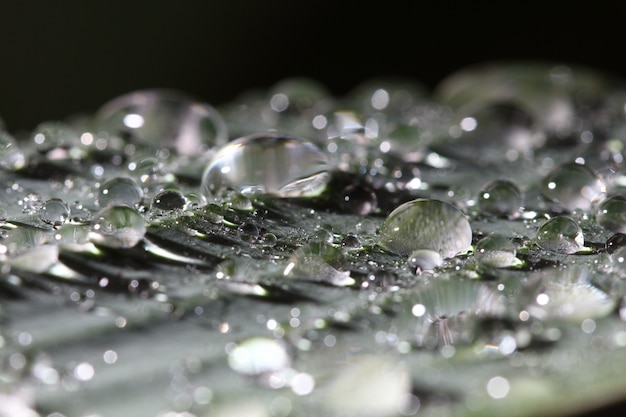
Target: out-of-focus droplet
column 612, row 214
column 257, row 355
column 267, row 163
column 615, row 242
column 319, row 261
column 500, row 198
column 424, row 260
column 120, row 191
column 168, row 200
column 118, row 227
column 51, row 135
column 573, row 186
column 161, row 118
column 54, row 212
column 560, row 234
column 496, row 251
column 358, row 199
column 11, row 157
column 426, row 224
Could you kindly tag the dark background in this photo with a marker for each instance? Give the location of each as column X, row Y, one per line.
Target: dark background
column 58, row 58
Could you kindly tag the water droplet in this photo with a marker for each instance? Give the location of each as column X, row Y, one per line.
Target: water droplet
column 496, row 251
column 612, row 214
column 424, row 260
column 267, row 163
column 358, row 199
column 54, row 211
column 164, row 119
column 257, row 355
column 366, row 227
column 269, row 240
column 350, row 241
column 319, row 261
column 51, row 135
column 240, row 202
column 248, row 232
column 573, row 186
column 118, row 227
column 560, row 234
column 501, row 198
column 615, row 242
column 120, row 191
column 11, row 157
column 426, row 224
column 169, row 200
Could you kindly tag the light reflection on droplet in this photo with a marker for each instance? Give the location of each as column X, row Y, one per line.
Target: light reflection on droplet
column 498, row 387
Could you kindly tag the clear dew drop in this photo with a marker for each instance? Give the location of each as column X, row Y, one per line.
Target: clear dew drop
column 168, row 200
column 160, row 118
column 612, row 214
column 573, row 186
column 319, row 261
column 120, row 191
column 267, row 163
column 501, row 198
column 358, row 199
column 258, row 355
column 350, row 242
column 118, row 227
column 426, row 224
column 54, row 212
column 11, row 157
column 560, row 234
column 496, row 251
column 424, row 260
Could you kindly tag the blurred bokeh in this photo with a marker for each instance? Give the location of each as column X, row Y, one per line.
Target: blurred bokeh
column 62, row 58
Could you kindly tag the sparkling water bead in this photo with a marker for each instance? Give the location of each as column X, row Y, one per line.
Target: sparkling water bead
column 496, row 251
column 267, row 163
column 612, row 214
column 161, row 118
column 11, row 157
column 118, row 227
column 424, row 260
column 321, row 262
column 573, row 186
column 54, row 211
column 120, row 190
column 169, row 200
column 560, row 234
column 501, row 198
column 426, row 224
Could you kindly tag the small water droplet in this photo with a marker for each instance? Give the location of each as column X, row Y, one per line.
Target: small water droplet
column 501, row 198
column 358, row 199
column 496, row 251
column 573, row 186
column 615, row 242
column 426, row 224
column 267, row 163
column 168, row 200
column 120, row 191
column 612, row 214
column 248, row 232
column 424, row 260
column 350, row 241
column 118, row 227
column 54, row 211
column 241, row 203
column 11, row 157
column 269, row 240
column 319, row 261
column 560, row 234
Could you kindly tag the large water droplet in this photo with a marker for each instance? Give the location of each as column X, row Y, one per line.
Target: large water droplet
column 54, row 211
column 612, row 214
column 573, row 186
column 118, row 227
column 120, row 191
column 500, row 198
column 319, row 261
column 164, row 119
column 267, row 163
column 426, row 224
column 560, row 234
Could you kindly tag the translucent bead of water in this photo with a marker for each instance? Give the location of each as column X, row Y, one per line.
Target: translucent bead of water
column 424, row 260
column 160, row 118
column 169, row 200
column 426, row 224
column 612, row 214
column 118, row 227
column 54, row 212
column 120, row 190
column 267, row 163
column 573, row 186
column 496, row 251
column 319, row 261
column 501, row 198
column 11, row 157
column 560, row 234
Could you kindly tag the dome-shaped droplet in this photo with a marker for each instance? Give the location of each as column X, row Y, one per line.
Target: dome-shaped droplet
column 500, row 198
column 319, row 261
column 426, row 224
column 118, row 227
column 169, row 200
column 267, row 163
column 496, row 251
column 350, row 241
column 560, row 234
column 120, row 190
column 424, row 260
column 358, row 199
column 164, row 119
column 615, row 242
column 612, row 214
column 11, row 157
column 54, row 211
column 573, row 186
